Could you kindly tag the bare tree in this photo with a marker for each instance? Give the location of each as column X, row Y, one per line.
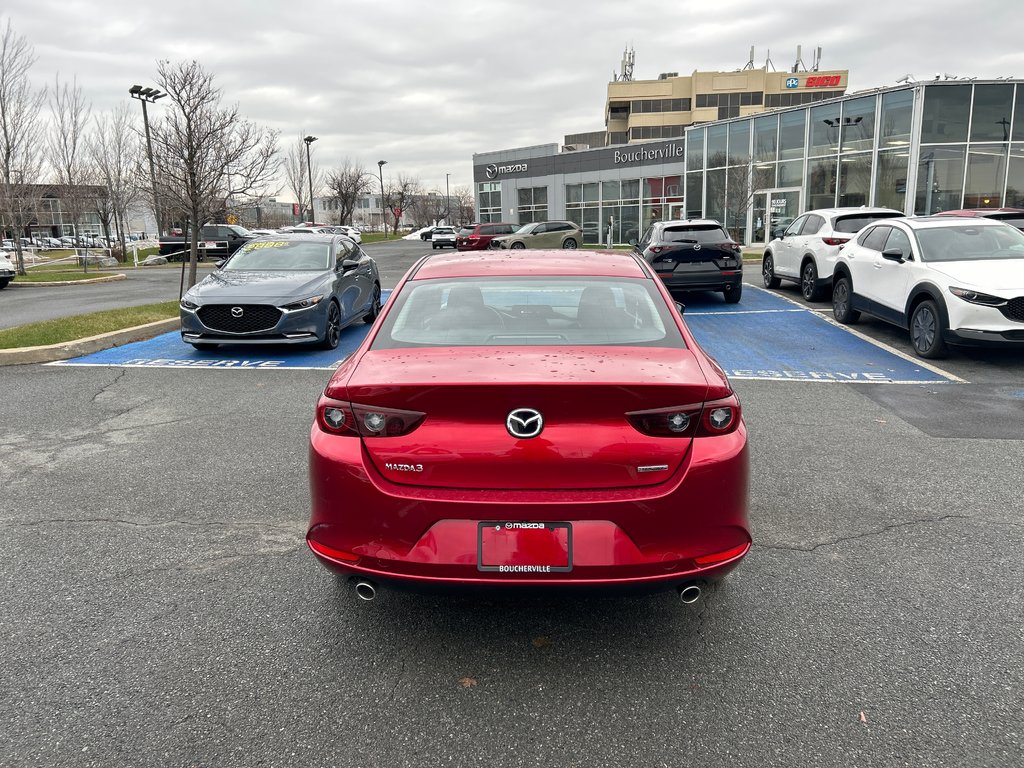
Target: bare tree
column 21, row 134
column 399, row 194
column 206, row 153
column 349, row 182
column 66, row 148
column 296, row 175
column 116, row 152
column 463, row 205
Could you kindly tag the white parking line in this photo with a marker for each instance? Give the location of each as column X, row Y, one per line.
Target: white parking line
column 744, row 312
column 865, row 337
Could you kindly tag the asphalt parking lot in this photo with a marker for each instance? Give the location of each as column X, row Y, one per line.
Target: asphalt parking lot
column 161, row 607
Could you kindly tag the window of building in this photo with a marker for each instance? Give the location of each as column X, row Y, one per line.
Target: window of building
column 791, row 173
column 766, row 138
column 724, row 113
column 739, row 142
column 946, row 110
column 718, row 143
column 855, row 179
column 1018, row 116
column 533, row 204
column 858, row 125
column 695, row 150
column 990, row 117
column 986, row 174
column 1015, row 176
column 940, row 174
column 821, row 183
column 489, row 193
column 894, row 126
column 891, row 179
column 694, row 195
column 825, row 123
column 792, row 132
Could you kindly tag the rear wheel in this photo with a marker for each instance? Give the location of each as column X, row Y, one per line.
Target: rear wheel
column 842, row 302
column 569, row 244
column 370, row 316
column 333, row 334
column 809, row 281
column 517, row 246
column 768, row 272
column 732, row 295
column 926, row 330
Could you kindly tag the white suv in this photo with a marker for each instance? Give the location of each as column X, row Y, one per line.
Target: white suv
column 6, row 269
column 442, row 237
column 945, row 279
column 806, row 252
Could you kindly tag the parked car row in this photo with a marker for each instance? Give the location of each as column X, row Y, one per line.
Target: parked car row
column 952, row 278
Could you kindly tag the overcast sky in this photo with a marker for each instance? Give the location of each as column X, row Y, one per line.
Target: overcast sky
column 424, row 85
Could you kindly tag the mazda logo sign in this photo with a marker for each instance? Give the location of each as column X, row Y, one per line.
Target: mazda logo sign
column 491, row 171
column 524, row 423
column 696, row 246
column 237, row 311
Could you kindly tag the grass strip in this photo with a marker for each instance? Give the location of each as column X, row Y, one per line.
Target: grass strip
column 66, row 329
column 58, row 276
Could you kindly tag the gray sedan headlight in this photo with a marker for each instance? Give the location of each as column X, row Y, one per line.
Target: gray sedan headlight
column 974, row 297
column 312, row 301
column 188, row 304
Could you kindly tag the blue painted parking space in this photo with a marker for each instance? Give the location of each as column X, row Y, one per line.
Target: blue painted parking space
column 765, row 336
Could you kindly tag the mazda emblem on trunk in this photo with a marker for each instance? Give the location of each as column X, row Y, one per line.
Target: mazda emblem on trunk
column 524, row 423
column 237, row 311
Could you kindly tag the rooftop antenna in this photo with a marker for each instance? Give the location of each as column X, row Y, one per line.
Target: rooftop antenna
column 798, row 65
column 750, row 63
column 817, row 60
column 907, row 78
column 768, row 61
column 628, row 58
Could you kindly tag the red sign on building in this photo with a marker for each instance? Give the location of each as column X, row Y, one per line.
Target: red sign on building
column 822, row 81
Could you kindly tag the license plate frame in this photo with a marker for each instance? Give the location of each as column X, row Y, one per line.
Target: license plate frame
column 546, row 535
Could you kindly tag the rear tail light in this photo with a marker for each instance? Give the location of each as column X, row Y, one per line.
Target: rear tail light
column 730, row 246
column 331, row 552
column 338, row 417
column 473, row 237
column 657, row 249
column 835, row 240
column 715, row 417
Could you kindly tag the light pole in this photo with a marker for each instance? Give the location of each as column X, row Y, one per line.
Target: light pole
column 380, row 174
column 447, row 202
column 309, row 172
column 148, row 95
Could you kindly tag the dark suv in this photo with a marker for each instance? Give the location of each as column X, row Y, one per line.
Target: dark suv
column 694, row 255
column 477, row 237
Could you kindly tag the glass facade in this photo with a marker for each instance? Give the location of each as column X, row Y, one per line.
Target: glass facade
column 921, row 149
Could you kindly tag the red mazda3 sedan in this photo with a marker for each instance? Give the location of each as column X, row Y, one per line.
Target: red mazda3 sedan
column 529, row 418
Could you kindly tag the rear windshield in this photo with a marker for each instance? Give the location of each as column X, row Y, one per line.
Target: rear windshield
column 531, row 312
column 444, row 231
column 1014, row 220
column 695, row 234
column 280, row 255
column 967, row 243
column 466, row 231
column 851, row 224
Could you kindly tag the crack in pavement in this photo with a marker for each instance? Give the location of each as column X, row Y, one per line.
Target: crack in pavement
column 845, row 539
column 197, row 567
column 103, row 390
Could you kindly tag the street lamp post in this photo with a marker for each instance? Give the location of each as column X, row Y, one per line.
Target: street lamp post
column 380, row 174
column 309, row 172
column 148, row 95
column 447, row 202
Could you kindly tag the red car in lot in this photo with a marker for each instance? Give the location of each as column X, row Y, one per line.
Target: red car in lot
column 529, row 418
column 477, row 237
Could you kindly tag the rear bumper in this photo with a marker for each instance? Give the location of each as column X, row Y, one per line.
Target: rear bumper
column 701, row 281
column 643, row 538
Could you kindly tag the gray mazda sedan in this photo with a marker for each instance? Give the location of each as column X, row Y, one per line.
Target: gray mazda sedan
column 284, row 289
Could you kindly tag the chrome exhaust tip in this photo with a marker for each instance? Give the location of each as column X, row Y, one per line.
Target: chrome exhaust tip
column 689, row 593
column 365, row 590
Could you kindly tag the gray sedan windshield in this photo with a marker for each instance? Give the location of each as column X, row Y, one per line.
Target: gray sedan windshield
column 280, row 255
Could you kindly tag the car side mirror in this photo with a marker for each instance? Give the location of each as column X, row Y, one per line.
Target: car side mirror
column 632, row 241
column 681, row 307
column 893, row 254
column 219, row 264
column 348, row 264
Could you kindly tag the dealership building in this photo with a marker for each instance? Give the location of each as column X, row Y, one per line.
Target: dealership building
column 713, row 145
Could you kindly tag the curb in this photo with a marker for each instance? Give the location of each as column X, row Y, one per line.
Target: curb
column 51, row 352
column 104, row 279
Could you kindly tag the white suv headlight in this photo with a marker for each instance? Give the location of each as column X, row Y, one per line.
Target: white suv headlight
column 974, row 297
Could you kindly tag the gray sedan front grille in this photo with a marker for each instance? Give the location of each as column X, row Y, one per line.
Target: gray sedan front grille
column 239, row 318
